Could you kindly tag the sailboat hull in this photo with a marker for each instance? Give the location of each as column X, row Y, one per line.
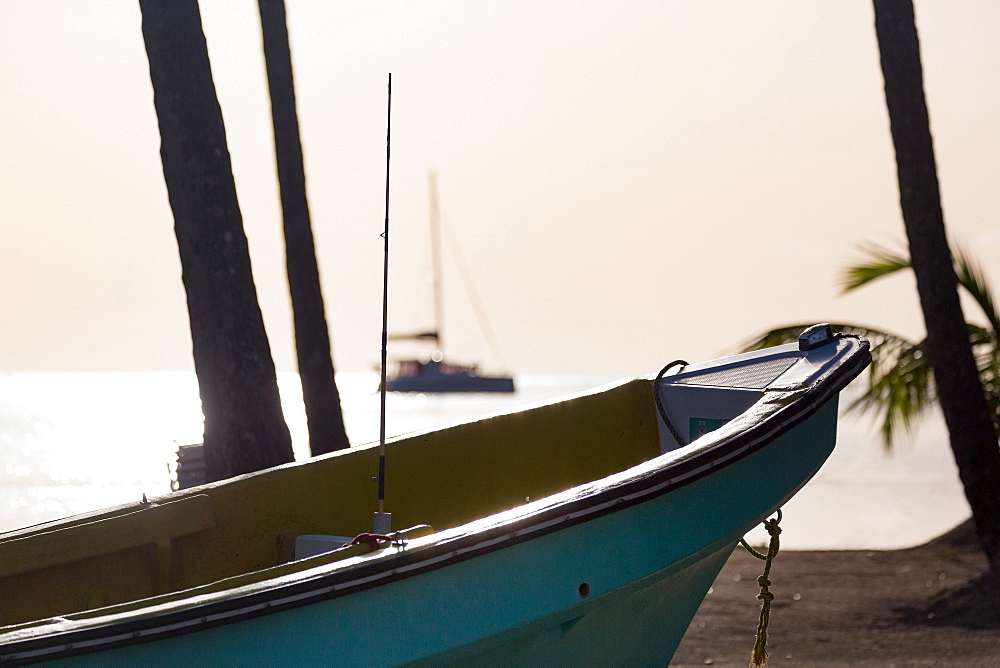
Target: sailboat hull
column 605, row 572
column 441, row 377
column 434, row 374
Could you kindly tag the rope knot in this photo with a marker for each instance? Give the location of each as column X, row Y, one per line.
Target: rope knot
column 759, row 655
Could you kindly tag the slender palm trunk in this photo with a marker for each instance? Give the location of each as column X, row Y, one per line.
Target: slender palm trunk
column 963, row 401
column 245, row 430
column 312, row 339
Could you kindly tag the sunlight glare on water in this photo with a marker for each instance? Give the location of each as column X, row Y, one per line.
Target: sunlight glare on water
column 76, row 442
column 72, row 442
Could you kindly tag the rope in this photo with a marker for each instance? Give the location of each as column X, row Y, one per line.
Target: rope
column 759, row 655
column 451, row 239
column 748, row 548
column 659, row 401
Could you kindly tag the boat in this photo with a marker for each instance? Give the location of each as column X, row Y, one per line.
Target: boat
column 580, row 531
column 435, row 374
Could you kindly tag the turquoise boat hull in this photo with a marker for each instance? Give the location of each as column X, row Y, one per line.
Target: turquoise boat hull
column 606, row 573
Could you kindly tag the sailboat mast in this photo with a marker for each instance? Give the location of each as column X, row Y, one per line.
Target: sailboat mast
column 436, row 260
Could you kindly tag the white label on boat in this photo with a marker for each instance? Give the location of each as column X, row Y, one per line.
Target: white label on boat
column 698, row 427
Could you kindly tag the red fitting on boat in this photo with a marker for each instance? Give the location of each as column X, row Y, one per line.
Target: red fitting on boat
column 371, row 540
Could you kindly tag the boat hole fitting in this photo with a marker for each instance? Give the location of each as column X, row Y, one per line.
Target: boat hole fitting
column 584, row 589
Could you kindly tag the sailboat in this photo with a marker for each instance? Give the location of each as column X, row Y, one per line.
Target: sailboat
column 436, row 374
column 584, row 531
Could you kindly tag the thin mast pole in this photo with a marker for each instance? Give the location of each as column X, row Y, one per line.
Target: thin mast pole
column 385, row 309
column 436, row 259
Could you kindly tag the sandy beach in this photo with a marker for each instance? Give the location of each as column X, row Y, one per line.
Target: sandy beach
column 932, row 605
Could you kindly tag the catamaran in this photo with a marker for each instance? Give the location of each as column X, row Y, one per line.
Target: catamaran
column 435, row 374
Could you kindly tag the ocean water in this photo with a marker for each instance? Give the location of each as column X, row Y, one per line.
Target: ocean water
column 75, row 442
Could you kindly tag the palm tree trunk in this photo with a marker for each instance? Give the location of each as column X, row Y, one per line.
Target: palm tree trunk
column 962, row 398
column 312, row 340
column 244, row 427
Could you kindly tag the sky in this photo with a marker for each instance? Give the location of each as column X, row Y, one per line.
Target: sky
column 628, row 183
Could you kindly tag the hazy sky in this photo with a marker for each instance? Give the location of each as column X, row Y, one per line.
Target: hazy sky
column 629, row 182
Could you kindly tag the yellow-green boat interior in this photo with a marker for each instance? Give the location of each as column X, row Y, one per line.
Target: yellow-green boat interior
column 443, row 478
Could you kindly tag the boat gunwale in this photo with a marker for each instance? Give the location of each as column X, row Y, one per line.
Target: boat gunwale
column 580, row 504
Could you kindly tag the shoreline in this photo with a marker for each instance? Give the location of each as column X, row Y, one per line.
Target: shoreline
column 934, row 604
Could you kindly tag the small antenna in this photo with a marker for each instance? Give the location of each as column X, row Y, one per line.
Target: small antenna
column 383, row 520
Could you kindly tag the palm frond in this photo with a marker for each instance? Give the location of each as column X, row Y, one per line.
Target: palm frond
column 986, row 349
column 790, row 334
column 900, row 378
column 881, row 262
column 971, row 277
column 775, row 337
column 900, row 388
